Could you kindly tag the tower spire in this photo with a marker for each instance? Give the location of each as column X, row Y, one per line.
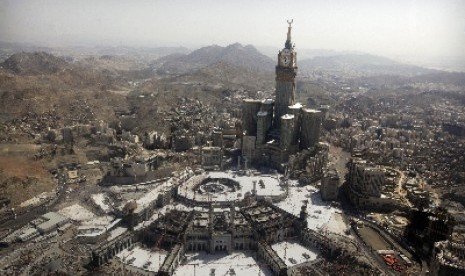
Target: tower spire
column 288, row 44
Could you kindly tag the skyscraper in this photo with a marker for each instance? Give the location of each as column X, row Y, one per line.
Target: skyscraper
column 286, row 71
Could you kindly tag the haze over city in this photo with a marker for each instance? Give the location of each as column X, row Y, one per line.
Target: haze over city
column 389, row 28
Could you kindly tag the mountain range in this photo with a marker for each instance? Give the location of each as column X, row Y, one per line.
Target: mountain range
column 360, row 65
column 247, row 57
column 234, row 63
column 37, row 81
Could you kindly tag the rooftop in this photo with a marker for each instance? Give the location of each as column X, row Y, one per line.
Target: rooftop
column 296, row 106
column 309, row 110
column 292, row 253
column 287, row 116
column 237, row 263
column 251, row 101
column 268, row 101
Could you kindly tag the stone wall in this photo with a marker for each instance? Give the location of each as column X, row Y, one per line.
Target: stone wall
column 105, row 252
column 172, row 260
column 272, row 259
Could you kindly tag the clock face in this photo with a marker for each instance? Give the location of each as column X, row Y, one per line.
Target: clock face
column 285, row 60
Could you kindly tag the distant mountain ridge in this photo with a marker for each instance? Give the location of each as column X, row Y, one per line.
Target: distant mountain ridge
column 34, row 63
column 360, row 64
column 78, row 52
column 235, row 64
column 349, row 64
column 247, row 57
column 304, row 53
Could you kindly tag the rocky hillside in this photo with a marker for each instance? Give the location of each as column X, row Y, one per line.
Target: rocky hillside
column 124, row 67
column 228, row 76
column 32, row 84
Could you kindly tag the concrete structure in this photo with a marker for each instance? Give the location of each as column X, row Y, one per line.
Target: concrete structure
column 327, row 246
column 272, row 131
column 311, row 124
column 288, row 131
column 135, row 169
column 365, row 186
column 255, row 227
column 286, row 71
column 212, row 158
column 219, row 232
column 104, row 252
column 51, row 221
column 367, row 179
column 214, row 224
column 309, row 165
column 28, row 234
column 448, row 259
column 142, row 209
column 93, row 235
column 43, row 225
column 129, row 168
column 172, row 260
column 250, row 109
column 296, row 111
column 270, row 256
column 428, row 227
column 264, row 123
column 330, row 185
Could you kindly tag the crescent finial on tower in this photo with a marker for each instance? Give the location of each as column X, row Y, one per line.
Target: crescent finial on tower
column 290, row 22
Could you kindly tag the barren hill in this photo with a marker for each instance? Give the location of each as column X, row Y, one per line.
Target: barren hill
column 231, row 76
column 38, row 83
column 34, row 63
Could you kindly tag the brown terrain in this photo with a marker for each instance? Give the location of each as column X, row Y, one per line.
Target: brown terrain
column 21, row 177
column 40, row 91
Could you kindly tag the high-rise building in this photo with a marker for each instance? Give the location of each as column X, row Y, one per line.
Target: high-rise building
column 273, row 130
column 250, row 109
column 286, row 71
column 310, row 130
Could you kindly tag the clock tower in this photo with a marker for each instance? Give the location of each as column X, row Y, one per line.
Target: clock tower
column 286, row 71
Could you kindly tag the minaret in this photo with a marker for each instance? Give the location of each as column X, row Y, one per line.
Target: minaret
column 211, row 218
column 232, row 226
column 254, row 188
column 286, row 70
column 303, row 216
column 232, row 215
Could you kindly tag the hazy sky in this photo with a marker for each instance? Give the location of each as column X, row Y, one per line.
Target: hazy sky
column 385, row 27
